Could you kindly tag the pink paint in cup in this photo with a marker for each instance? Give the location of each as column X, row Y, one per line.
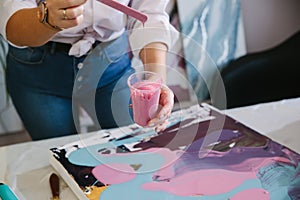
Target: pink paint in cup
column 144, row 93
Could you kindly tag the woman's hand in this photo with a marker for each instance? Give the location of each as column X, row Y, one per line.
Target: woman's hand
column 166, row 102
column 153, row 57
column 65, row 14
column 62, row 14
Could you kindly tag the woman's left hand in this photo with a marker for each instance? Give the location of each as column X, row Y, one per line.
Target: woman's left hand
column 166, row 103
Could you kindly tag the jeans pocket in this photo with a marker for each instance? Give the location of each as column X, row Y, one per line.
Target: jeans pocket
column 28, row 55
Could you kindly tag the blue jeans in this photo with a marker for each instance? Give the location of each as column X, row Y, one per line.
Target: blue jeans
column 47, row 87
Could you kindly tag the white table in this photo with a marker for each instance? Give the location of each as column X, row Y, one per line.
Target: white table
column 25, row 167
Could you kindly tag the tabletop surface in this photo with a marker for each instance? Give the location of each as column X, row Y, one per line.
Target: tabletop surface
column 25, row 167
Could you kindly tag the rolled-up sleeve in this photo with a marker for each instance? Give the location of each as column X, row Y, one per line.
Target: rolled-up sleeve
column 8, row 8
column 156, row 29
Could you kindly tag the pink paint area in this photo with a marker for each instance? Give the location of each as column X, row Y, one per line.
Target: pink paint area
column 202, row 182
column 208, row 181
column 114, row 173
column 165, row 168
column 145, row 99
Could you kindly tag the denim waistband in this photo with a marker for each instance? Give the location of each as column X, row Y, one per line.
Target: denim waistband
column 63, row 47
column 58, row 47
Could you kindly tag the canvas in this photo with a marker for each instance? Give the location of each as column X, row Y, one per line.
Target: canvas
column 203, row 154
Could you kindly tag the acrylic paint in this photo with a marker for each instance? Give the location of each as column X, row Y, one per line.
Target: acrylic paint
column 145, row 97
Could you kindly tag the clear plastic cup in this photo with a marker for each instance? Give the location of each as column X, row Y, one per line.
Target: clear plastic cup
column 144, row 93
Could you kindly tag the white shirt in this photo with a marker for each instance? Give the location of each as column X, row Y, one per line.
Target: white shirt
column 103, row 23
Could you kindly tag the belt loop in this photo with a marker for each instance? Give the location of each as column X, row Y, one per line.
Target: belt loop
column 52, row 50
column 95, row 44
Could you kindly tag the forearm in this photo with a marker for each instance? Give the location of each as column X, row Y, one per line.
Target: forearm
column 24, row 29
column 153, row 57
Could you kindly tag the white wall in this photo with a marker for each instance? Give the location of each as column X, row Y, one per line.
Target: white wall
column 269, row 22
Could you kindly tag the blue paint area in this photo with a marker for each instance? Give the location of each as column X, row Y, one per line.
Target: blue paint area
column 88, row 156
column 149, row 161
column 281, row 180
column 132, row 190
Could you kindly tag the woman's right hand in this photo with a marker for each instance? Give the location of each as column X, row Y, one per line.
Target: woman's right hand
column 61, row 13
column 65, row 14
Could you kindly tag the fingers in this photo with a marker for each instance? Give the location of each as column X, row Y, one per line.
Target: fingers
column 161, row 127
column 71, row 17
column 64, row 11
column 65, row 14
column 167, row 102
column 159, row 124
column 58, row 4
column 158, row 121
column 72, row 13
column 66, row 18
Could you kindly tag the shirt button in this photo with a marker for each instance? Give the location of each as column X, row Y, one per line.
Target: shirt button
column 79, row 78
column 80, row 65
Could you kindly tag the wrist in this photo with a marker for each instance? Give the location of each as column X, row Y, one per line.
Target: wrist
column 43, row 16
column 159, row 68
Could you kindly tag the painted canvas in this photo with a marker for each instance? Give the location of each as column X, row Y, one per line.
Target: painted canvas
column 203, row 154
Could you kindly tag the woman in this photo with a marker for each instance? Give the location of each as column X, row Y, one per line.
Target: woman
column 59, row 48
